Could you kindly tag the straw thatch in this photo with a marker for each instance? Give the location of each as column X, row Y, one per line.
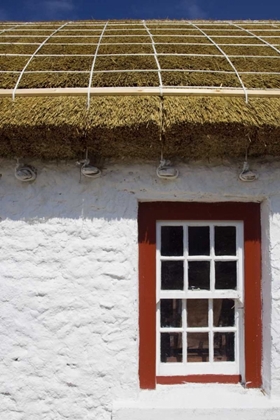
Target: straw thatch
column 129, row 127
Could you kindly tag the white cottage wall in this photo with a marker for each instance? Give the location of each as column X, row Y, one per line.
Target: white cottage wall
column 69, row 292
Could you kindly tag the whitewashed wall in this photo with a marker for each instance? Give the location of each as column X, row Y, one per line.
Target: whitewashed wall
column 69, row 290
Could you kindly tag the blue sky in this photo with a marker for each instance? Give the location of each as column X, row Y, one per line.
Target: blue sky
column 30, row 10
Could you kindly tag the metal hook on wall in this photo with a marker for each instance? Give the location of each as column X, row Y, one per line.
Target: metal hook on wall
column 247, row 175
column 87, row 169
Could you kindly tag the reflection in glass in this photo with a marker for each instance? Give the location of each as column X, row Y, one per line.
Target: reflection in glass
column 171, row 313
column 171, row 347
column 198, row 347
column 199, row 275
column 172, row 275
column 224, row 313
column 199, row 242
column 224, row 347
column 225, row 240
column 225, row 275
column 172, row 240
column 197, row 312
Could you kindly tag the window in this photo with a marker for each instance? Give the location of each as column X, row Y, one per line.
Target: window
column 199, row 293
column 199, row 299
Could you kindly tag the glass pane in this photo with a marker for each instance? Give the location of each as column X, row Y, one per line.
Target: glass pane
column 171, row 347
column 171, row 313
column 198, row 347
column 197, row 313
column 225, row 275
column 172, row 240
column 172, row 275
column 199, row 275
column 225, row 240
column 224, row 313
column 224, row 347
column 199, row 242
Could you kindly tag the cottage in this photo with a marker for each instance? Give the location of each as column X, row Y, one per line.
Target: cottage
column 140, row 220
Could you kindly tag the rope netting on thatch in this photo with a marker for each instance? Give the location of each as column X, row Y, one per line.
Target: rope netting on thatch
column 165, row 54
column 188, row 54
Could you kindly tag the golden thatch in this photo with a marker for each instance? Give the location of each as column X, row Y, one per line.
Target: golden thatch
column 129, row 127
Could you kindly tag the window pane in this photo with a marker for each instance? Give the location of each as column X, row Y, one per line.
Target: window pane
column 197, row 313
column 198, row 347
column 224, row 347
column 225, row 240
column 172, row 275
column 225, row 275
column 199, row 275
column 224, row 314
column 171, row 313
column 171, row 347
column 172, row 240
column 199, row 243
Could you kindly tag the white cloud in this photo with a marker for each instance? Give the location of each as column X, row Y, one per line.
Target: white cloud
column 52, row 9
column 58, row 6
column 192, row 9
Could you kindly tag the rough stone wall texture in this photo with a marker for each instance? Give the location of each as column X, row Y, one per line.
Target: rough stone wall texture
column 69, row 282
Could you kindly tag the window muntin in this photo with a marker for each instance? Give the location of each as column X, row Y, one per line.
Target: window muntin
column 199, row 308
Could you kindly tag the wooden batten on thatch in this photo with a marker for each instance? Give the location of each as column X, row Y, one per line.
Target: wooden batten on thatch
column 190, row 55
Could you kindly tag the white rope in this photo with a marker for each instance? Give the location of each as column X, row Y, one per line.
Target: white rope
column 256, row 36
column 163, row 24
column 256, row 73
column 141, row 55
column 138, row 29
column 93, row 63
column 68, row 30
column 139, row 71
column 141, row 36
column 213, row 23
column 92, row 29
column 136, row 43
column 155, row 55
column 126, row 55
column 11, row 28
column 168, row 23
column 123, row 71
column 226, row 57
column 46, row 71
column 21, row 43
column 33, row 55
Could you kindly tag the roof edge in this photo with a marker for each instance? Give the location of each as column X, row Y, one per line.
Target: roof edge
column 141, row 91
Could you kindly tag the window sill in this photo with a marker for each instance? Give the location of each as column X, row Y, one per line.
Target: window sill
column 202, row 379
column 198, row 401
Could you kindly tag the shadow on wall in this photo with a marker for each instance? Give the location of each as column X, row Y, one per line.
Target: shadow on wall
column 60, row 192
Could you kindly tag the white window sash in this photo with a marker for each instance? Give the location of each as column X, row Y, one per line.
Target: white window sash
column 212, row 367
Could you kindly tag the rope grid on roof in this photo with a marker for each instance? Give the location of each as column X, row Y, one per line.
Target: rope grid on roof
column 226, row 57
column 155, row 56
column 33, row 55
column 181, row 55
column 13, row 27
column 256, row 36
column 93, row 62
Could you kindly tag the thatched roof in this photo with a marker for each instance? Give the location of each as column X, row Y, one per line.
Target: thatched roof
column 239, row 56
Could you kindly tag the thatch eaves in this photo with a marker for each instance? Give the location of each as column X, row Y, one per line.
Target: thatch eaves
column 236, row 56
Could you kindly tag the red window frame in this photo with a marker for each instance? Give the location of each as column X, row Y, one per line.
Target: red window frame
column 151, row 212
